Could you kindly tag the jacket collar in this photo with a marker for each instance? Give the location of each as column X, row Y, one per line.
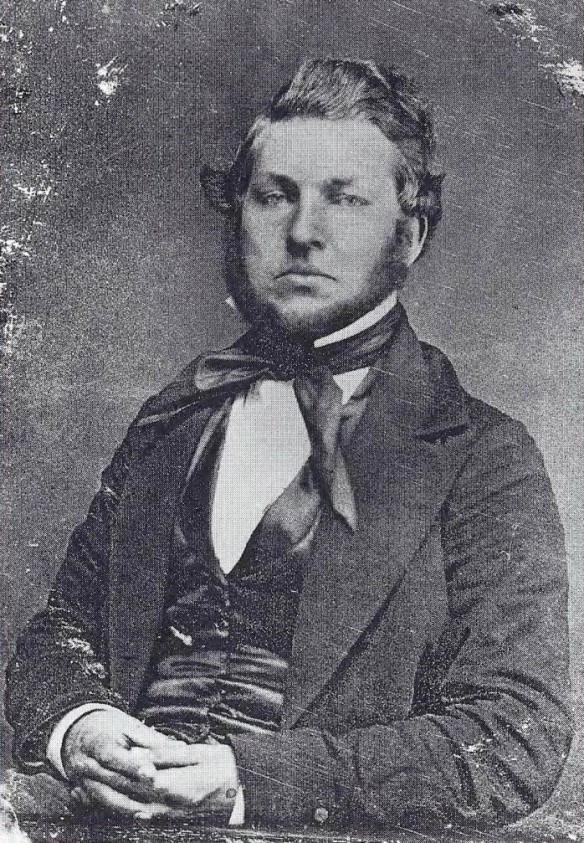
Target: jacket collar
column 426, row 398
column 403, row 459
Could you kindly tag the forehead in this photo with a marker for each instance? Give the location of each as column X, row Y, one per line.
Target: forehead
column 314, row 149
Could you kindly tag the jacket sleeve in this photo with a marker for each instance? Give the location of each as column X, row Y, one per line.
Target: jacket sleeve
column 61, row 657
column 489, row 744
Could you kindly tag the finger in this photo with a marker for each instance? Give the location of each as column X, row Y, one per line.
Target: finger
column 132, row 763
column 146, row 736
column 186, row 786
column 80, row 798
column 119, row 803
column 175, row 754
column 154, row 811
column 86, row 766
column 135, row 789
column 186, row 755
column 145, row 769
column 109, row 769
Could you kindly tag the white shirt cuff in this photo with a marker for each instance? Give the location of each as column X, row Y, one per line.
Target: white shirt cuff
column 238, row 813
column 55, row 744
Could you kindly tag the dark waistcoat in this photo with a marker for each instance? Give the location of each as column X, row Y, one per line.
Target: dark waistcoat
column 220, row 661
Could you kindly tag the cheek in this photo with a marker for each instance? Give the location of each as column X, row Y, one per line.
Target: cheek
column 261, row 239
column 361, row 243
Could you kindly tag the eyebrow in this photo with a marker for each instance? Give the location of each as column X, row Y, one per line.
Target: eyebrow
column 287, row 182
column 342, row 182
column 277, row 178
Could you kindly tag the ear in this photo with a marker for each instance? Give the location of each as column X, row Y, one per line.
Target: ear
column 215, row 187
column 413, row 233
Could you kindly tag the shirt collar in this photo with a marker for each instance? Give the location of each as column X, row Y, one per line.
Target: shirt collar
column 360, row 324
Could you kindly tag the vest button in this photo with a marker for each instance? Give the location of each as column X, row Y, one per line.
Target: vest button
column 321, row 815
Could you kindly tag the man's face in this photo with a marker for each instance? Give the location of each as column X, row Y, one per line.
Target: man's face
column 318, row 224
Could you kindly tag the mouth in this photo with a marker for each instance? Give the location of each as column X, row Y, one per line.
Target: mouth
column 305, row 272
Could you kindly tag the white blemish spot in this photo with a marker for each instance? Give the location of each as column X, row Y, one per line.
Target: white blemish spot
column 522, row 19
column 186, row 639
column 95, row 669
column 80, row 644
column 109, row 77
column 16, row 327
column 478, row 746
column 569, row 76
column 10, row 248
column 31, row 192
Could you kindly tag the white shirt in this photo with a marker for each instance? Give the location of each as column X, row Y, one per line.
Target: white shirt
column 266, row 444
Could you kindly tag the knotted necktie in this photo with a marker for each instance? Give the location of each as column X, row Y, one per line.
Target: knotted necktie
column 263, row 353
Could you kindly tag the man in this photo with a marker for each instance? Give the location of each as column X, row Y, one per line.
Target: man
column 320, row 585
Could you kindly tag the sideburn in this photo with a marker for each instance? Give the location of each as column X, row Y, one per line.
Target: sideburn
column 236, row 279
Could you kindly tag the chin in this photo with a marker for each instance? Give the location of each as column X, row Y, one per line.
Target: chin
column 310, row 319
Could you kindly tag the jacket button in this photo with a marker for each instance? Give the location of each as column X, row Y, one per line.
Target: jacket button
column 321, row 815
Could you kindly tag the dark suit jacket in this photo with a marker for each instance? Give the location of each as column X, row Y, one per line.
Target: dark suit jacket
column 429, row 676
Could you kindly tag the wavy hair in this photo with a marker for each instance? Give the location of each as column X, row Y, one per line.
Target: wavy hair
column 336, row 89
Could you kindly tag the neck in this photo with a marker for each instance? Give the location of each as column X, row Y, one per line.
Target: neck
column 352, row 329
column 366, row 321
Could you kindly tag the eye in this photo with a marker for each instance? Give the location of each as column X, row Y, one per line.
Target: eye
column 270, row 198
column 350, row 200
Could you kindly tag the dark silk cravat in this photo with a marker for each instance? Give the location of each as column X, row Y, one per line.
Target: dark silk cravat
column 265, row 353
column 320, row 401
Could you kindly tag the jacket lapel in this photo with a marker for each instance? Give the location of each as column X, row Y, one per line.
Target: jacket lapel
column 141, row 547
column 402, row 460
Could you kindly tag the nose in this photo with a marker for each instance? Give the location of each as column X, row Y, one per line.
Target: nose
column 305, row 231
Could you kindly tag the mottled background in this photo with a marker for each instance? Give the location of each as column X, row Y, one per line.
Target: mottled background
column 110, row 260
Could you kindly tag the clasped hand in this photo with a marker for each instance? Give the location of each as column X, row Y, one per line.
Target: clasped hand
column 116, row 762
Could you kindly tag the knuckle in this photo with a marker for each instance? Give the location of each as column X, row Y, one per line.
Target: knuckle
column 163, row 790
column 89, row 767
column 113, row 755
column 90, row 786
column 160, row 810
